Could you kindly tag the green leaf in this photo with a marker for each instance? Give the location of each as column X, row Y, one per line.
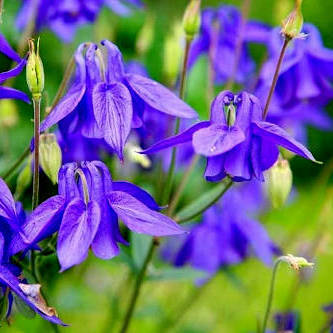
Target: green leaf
column 4, row 303
column 140, row 245
column 177, row 274
column 204, row 201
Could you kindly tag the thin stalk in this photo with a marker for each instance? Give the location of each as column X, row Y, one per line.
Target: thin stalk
column 1, row 9
column 270, row 294
column 170, row 176
column 137, row 287
column 182, row 185
column 238, row 52
column 275, row 77
column 35, row 189
column 16, row 164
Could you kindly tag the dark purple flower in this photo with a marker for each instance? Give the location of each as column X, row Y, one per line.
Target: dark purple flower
column 221, row 30
column 287, row 322
column 12, row 218
column 227, row 235
column 304, row 86
column 235, row 141
column 106, row 105
column 63, row 17
column 6, row 92
column 86, row 212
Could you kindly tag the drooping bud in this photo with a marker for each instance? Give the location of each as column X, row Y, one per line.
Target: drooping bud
column 8, row 113
column 192, row 19
column 292, row 25
column 172, row 54
column 23, row 179
column 279, row 182
column 132, row 153
column 296, row 263
column 35, row 71
column 146, row 35
column 50, row 156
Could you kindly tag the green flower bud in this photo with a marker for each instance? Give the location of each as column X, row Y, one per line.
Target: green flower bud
column 35, row 71
column 296, row 263
column 292, row 25
column 50, row 156
column 279, row 182
column 8, row 113
column 146, row 35
column 172, row 54
column 23, row 179
column 192, row 19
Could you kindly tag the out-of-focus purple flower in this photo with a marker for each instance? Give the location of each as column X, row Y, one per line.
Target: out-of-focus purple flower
column 106, row 105
column 226, row 236
column 221, row 31
column 329, row 311
column 63, row 17
column 12, row 217
column 304, row 86
column 236, row 142
column 86, row 212
column 287, row 322
column 6, row 92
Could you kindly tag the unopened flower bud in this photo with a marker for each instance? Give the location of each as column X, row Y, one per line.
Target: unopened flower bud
column 50, row 156
column 296, row 263
column 132, row 153
column 8, row 113
column 146, row 35
column 279, row 182
column 292, row 25
column 35, row 71
column 172, row 54
column 23, row 180
column 192, row 19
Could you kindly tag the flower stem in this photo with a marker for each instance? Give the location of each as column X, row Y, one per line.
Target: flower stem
column 137, row 287
column 270, row 294
column 35, row 189
column 276, row 76
column 16, row 164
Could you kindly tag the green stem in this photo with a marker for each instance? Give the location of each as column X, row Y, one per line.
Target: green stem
column 35, row 189
column 1, row 9
column 16, row 164
column 270, row 294
column 182, row 185
column 137, row 287
column 275, row 77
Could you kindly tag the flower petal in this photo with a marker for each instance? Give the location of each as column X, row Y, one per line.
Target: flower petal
column 7, row 92
column 280, row 137
column 183, row 137
column 159, row 97
column 139, row 218
column 136, row 192
column 13, row 72
column 113, row 113
column 217, row 139
column 6, row 49
column 77, row 231
column 7, row 203
column 215, row 168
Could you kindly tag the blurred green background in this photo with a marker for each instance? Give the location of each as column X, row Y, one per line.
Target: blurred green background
column 86, row 296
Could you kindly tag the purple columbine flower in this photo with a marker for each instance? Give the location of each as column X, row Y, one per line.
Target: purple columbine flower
column 236, row 141
column 304, row 86
column 12, row 217
column 63, row 17
column 86, row 212
column 6, row 92
column 287, row 322
column 227, row 235
column 219, row 36
column 108, row 104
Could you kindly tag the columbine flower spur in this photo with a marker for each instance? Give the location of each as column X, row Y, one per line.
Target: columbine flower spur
column 86, row 213
column 236, row 141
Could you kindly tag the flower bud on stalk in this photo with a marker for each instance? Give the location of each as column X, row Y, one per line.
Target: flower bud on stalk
column 292, row 25
column 279, row 183
column 50, row 156
column 35, row 71
column 146, row 35
column 192, row 19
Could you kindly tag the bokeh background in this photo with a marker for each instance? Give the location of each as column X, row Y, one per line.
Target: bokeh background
column 91, row 297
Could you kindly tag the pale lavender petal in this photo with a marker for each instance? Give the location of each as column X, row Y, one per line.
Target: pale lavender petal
column 159, row 97
column 139, row 218
column 136, row 192
column 277, row 135
column 183, row 137
column 217, row 139
column 115, row 69
column 77, row 231
column 113, row 114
